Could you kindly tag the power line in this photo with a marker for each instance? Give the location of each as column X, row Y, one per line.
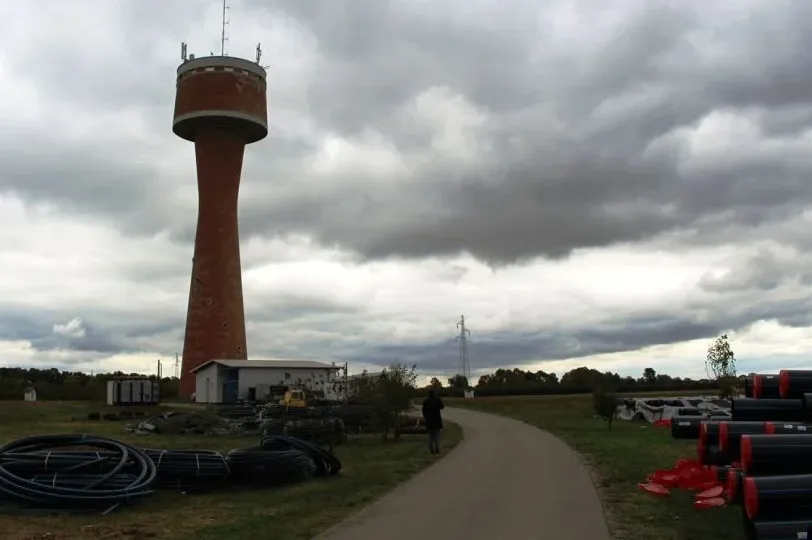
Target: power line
column 462, row 338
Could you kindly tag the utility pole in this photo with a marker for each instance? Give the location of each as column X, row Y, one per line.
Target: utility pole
column 159, row 368
column 223, row 36
column 462, row 338
column 177, row 363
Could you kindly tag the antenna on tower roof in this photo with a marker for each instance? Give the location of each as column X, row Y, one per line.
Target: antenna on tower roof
column 183, row 50
column 259, row 52
column 223, row 36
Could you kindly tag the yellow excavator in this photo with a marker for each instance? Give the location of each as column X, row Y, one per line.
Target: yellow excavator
column 294, row 398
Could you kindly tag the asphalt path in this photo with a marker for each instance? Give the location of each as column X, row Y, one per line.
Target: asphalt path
column 506, row 481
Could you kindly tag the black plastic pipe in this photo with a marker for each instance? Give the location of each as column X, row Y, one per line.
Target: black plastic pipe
column 778, row 530
column 806, row 404
column 686, row 427
column 733, row 485
column 788, row 410
column 794, row 383
column 774, row 498
column 707, row 448
column 127, row 473
column 776, row 454
column 765, row 387
column 689, row 411
column 730, row 435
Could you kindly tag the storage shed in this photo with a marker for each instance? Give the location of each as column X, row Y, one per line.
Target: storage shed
column 133, row 391
column 226, row 381
column 30, row 394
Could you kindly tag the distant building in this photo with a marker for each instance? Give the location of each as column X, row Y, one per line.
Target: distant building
column 226, row 381
column 30, row 394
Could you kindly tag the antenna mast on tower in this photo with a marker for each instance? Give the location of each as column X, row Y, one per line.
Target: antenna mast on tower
column 463, row 341
column 223, row 36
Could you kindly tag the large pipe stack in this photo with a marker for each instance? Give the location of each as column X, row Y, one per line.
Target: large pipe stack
column 762, row 455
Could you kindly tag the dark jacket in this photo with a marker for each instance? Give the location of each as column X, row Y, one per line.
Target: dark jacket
column 431, row 412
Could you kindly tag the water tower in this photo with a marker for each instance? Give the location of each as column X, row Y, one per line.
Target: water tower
column 220, row 106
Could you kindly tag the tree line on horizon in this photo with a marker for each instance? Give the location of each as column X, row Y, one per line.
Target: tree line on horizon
column 53, row 384
column 515, row 381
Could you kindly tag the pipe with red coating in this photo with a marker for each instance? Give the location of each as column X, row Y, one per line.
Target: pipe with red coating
column 707, row 448
column 774, row 498
column 794, row 383
column 765, row 387
column 730, row 435
column 733, row 485
column 766, row 410
column 776, row 454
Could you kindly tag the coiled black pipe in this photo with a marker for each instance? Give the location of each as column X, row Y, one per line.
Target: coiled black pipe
column 259, row 466
column 190, row 470
column 325, row 461
column 122, row 473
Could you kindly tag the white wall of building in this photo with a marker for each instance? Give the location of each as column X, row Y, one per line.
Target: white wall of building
column 310, row 378
column 209, row 385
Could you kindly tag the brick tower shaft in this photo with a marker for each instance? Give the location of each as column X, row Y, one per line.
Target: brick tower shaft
column 215, row 321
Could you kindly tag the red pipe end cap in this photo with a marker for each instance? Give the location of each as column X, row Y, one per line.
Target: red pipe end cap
column 703, row 504
column 746, row 453
column 783, row 383
column 700, row 444
column 757, row 386
column 655, row 489
column 723, row 433
column 750, row 497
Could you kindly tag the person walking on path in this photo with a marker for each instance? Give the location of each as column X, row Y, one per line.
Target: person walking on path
column 432, row 406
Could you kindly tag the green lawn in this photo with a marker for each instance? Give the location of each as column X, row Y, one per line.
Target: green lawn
column 620, row 459
column 371, row 467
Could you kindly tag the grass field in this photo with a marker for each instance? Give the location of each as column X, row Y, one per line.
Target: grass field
column 619, row 460
column 371, row 467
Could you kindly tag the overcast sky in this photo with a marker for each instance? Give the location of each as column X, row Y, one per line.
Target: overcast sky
column 610, row 184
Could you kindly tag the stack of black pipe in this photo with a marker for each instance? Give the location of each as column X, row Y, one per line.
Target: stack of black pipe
column 763, row 453
column 84, row 473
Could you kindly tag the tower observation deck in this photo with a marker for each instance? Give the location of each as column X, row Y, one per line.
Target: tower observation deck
column 220, row 105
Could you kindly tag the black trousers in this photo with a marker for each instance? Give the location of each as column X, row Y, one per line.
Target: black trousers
column 434, row 440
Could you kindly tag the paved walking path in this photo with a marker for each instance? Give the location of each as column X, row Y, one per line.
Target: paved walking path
column 506, row 480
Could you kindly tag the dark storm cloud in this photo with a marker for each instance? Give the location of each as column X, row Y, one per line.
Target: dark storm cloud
column 569, row 118
column 596, row 188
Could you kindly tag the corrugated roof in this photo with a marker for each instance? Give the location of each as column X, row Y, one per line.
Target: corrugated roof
column 268, row 364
